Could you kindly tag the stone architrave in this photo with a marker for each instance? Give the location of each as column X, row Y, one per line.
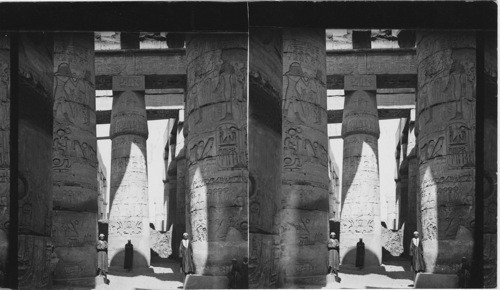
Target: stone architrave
column 265, row 158
column 36, row 258
column 446, row 115
column 129, row 210
column 4, row 150
column 304, row 202
column 216, row 150
column 360, row 216
column 74, row 159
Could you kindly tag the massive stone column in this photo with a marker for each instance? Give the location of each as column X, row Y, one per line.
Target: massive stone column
column 74, row 163
column 446, row 120
column 304, row 214
column 180, row 200
column 490, row 165
column 265, row 147
column 411, row 210
column 360, row 217
column 36, row 260
column 5, row 104
column 216, row 151
column 129, row 218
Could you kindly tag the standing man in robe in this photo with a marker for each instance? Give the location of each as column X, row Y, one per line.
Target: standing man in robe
column 186, row 254
column 417, row 254
column 333, row 255
column 102, row 257
column 360, row 254
column 129, row 256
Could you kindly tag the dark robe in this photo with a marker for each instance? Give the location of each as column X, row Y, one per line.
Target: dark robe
column 129, row 256
column 234, row 277
column 187, row 264
column 333, row 254
column 102, row 256
column 417, row 256
column 360, row 254
column 244, row 276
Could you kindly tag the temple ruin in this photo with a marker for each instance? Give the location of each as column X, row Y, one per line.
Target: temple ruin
column 256, row 144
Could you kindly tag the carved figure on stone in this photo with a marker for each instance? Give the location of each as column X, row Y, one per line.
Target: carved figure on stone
column 301, row 88
column 462, row 84
column 229, row 86
column 65, row 86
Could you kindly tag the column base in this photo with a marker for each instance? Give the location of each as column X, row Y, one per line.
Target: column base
column 206, row 282
column 306, row 281
column 134, row 271
column 429, row 280
column 84, row 282
column 351, row 269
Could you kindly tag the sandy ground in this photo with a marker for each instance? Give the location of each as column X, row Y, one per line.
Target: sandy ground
column 392, row 274
column 165, row 275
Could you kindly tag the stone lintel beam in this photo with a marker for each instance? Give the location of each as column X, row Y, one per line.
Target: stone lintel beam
column 140, row 62
column 166, row 68
column 371, row 61
column 104, row 117
column 335, row 116
column 384, row 81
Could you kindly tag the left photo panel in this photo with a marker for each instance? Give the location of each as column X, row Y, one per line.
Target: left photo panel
column 131, row 160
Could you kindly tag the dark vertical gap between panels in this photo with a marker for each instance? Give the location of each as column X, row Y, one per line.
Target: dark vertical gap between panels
column 11, row 270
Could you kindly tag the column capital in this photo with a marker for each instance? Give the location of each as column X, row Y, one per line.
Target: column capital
column 128, row 83
column 360, row 83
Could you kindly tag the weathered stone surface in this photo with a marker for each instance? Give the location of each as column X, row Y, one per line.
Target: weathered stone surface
column 490, row 190
column 264, row 165
column 360, row 217
column 160, row 243
column 446, row 120
column 35, row 89
column 36, row 261
column 304, row 198
column 216, row 150
column 129, row 210
column 429, row 280
column 392, row 241
column 206, row 282
column 74, row 163
column 4, row 148
column 181, row 192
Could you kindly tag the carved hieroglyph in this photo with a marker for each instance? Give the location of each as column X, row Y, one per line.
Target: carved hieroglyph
column 129, row 210
column 360, row 215
column 74, row 162
column 446, row 104
column 217, row 150
column 304, row 198
column 35, row 157
column 265, row 147
column 4, row 147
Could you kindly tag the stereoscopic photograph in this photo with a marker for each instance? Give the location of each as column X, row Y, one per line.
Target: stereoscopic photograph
column 217, row 145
